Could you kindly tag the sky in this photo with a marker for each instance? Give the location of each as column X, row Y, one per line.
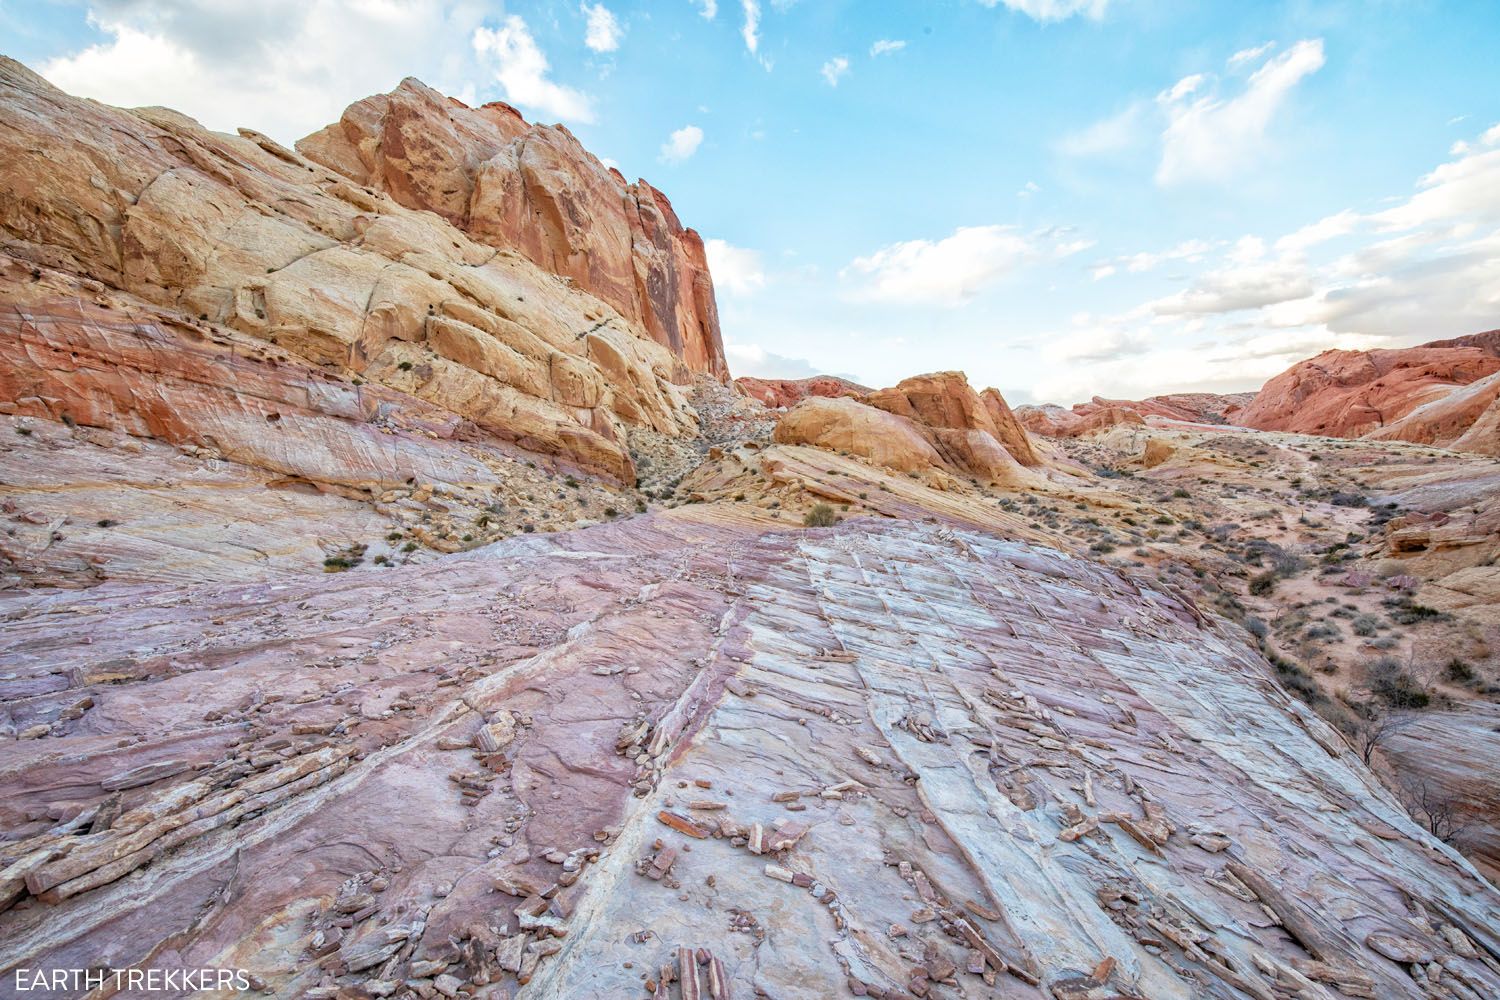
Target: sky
column 1062, row 198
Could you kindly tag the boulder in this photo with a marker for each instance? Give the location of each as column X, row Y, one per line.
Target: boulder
column 844, row 424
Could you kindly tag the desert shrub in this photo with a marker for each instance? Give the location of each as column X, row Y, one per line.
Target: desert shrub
column 1458, row 671
column 1391, row 683
column 821, row 516
column 1365, row 624
column 1263, row 583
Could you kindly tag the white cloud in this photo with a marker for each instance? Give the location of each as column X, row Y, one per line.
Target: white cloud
column 1325, row 229
column 886, row 46
column 283, row 67
column 521, row 69
column 1028, row 189
column 1114, row 134
column 681, row 144
column 602, row 32
column 948, row 272
column 751, row 31
column 710, row 9
column 1235, row 288
column 1211, row 138
column 1190, row 251
column 734, row 269
column 756, row 362
column 835, row 69
column 1246, row 56
column 1053, row 10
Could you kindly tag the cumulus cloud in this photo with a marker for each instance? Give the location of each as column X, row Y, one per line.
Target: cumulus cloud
column 284, row 67
column 886, row 46
column 1053, row 10
column 521, row 69
column 735, row 270
column 601, row 31
column 1209, row 137
column 949, row 271
column 681, row 144
column 708, row 9
column 1423, row 268
column 1231, row 289
column 835, row 69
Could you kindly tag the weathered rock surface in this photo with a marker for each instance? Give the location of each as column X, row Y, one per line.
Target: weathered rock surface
column 881, row 759
column 924, row 422
column 196, row 242
column 1054, row 421
column 534, row 189
column 782, row 393
column 1174, row 409
column 1432, row 394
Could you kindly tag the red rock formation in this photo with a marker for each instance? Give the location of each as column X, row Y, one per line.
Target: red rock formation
column 194, row 234
column 926, row 421
column 1411, row 394
column 533, row 188
column 1174, row 408
column 782, row 393
column 1054, row 421
column 943, row 402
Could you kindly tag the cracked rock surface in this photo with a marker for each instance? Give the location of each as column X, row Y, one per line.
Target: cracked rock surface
column 681, row 758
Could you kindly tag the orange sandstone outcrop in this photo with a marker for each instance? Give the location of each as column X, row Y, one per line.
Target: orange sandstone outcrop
column 365, row 309
column 926, row 421
column 1432, row 394
column 533, row 188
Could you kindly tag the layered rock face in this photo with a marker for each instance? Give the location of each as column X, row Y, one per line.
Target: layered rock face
column 217, row 291
column 1432, row 394
column 534, row 189
column 1173, row 410
column 873, row 761
column 926, row 421
column 782, row 393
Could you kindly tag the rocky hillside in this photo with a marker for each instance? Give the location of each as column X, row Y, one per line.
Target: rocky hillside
column 1446, row 393
column 312, row 351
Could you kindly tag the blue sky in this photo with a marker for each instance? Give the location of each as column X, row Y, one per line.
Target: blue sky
column 1060, row 197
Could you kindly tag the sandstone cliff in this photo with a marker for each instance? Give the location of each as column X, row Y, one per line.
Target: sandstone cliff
column 1432, row 394
column 534, row 189
column 361, row 311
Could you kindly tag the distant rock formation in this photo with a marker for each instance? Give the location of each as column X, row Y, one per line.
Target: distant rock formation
column 314, row 317
column 1444, row 393
column 925, row 421
column 780, row 393
column 533, row 188
column 1100, row 413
